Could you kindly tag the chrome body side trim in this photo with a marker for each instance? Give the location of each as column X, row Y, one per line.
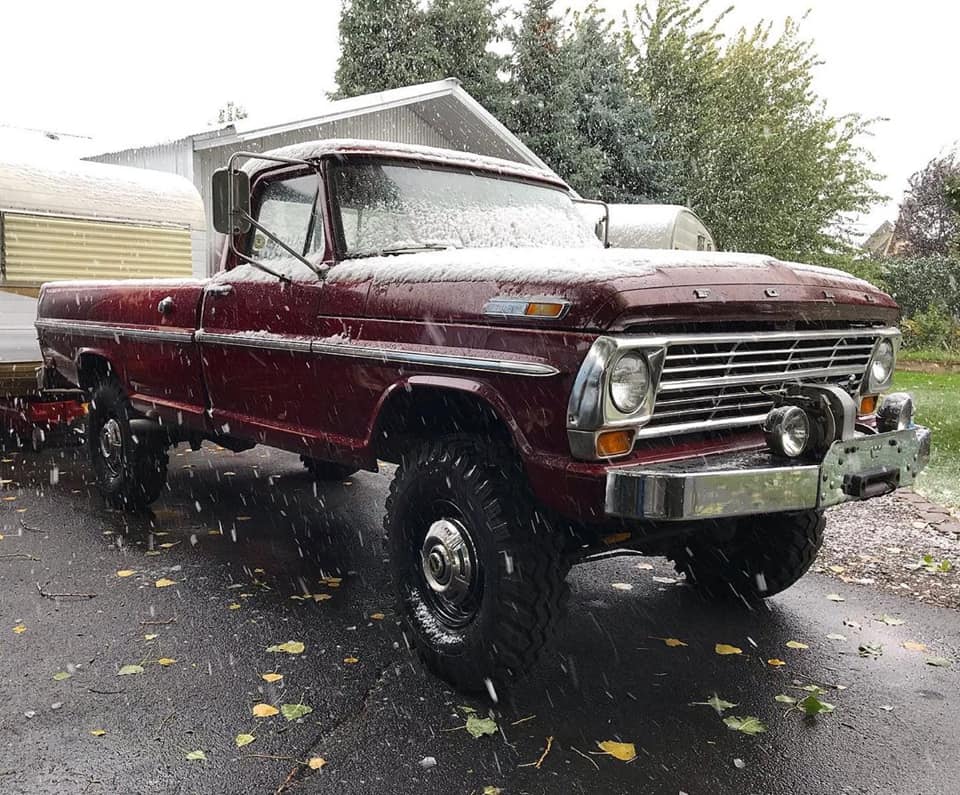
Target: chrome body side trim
column 259, row 341
column 110, row 331
column 401, row 356
column 741, row 484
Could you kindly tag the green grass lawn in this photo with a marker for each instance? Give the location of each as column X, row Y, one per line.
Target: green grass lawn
column 937, row 401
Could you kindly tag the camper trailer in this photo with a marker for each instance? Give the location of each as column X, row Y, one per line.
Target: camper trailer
column 665, row 226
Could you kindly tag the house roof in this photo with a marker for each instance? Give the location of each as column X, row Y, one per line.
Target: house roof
column 312, row 150
column 443, row 104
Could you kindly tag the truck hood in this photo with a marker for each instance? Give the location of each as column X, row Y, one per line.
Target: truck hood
column 612, row 289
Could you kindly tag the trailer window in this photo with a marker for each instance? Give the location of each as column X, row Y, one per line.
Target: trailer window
column 288, row 210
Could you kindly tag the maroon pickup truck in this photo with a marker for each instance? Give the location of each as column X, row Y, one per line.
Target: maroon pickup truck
column 548, row 400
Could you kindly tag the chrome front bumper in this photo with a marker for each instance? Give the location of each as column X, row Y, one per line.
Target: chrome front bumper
column 741, row 484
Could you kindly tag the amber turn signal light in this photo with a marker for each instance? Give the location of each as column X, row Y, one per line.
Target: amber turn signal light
column 612, row 443
column 868, row 404
column 543, row 309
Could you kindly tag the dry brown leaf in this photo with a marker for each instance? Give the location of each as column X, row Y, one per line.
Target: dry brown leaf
column 673, row 642
column 377, row 616
column 622, row 751
column 164, row 582
column 725, row 648
column 912, row 645
column 271, row 677
column 264, row 711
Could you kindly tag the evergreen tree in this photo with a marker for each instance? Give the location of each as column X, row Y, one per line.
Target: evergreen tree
column 462, row 32
column 383, row 44
column 615, row 127
column 541, row 102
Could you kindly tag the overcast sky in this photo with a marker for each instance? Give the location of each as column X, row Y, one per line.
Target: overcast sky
column 126, row 73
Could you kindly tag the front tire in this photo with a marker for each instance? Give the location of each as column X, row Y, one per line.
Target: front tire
column 765, row 556
column 130, row 471
column 477, row 568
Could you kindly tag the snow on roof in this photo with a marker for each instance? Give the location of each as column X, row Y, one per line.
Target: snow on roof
column 79, row 188
column 312, row 150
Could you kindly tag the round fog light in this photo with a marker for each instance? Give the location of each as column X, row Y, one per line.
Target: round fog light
column 895, row 413
column 787, row 430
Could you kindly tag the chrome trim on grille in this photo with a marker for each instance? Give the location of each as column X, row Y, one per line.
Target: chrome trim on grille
column 110, row 331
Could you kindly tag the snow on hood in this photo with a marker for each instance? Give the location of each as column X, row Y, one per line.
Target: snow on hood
column 554, row 265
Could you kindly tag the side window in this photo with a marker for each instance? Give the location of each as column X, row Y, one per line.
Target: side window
column 288, row 210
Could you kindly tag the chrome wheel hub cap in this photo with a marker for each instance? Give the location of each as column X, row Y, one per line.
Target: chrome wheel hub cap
column 445, row 559
column 111, row 445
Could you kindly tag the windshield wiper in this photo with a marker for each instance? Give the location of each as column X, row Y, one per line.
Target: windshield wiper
column 394, row 250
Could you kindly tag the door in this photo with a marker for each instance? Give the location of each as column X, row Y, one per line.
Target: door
column 256, row 329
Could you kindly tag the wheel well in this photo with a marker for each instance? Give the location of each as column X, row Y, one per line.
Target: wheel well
column 92, row 369
column 429, row 412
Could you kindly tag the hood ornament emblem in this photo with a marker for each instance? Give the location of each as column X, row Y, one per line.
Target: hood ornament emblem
column 772, row 292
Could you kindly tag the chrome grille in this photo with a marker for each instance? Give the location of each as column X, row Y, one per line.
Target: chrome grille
column 716, row 381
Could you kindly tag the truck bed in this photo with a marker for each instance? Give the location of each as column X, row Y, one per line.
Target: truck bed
column 19, row 351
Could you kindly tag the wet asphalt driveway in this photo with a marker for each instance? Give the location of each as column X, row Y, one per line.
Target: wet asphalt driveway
column 239, row 535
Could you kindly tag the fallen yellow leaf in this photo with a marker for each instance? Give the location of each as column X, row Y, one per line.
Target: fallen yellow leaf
column 163, row 582
column 243, row 518
column 796, row 644
column 214, row 532
column 264, row 711
column 350, row 660
column 377, row 616
column 19, row 629
column 166, row 661
column 775, row 662
column 98, row 732
column 725, row 648
column 622, row 751
column 316, row 762
column 9, row 499
column 912, row 645
column 290, row 647
column 271, row 677
column 169, row 545
column 244, row 739
column 126, row 572
column 233, row 606
column 321, row 597
column 673, row 642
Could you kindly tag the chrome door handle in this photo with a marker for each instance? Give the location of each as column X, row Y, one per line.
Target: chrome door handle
column 220, row 289
column 165, row 307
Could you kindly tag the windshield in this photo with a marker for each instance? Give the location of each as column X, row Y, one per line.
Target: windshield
column 388, row 208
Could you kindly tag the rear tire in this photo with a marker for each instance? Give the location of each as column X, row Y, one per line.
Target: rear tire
column 130, row 471
column 327, row 470
column 478, row 571
column 766, row 555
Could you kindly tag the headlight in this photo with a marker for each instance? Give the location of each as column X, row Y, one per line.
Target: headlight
column 629, row 382
column 881, row 365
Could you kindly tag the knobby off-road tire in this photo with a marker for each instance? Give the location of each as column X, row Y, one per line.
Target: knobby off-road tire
column 469, row 500
column 130, row 471
column 327, row 470
column 766, row 555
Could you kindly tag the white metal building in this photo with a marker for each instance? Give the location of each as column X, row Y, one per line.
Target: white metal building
column 439, row 114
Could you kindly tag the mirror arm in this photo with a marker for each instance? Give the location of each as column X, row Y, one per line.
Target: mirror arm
column 241, row 214
column 606, row 217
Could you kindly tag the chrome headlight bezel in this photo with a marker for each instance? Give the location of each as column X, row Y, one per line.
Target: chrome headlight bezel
column 887, row 347
column 591, row 406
